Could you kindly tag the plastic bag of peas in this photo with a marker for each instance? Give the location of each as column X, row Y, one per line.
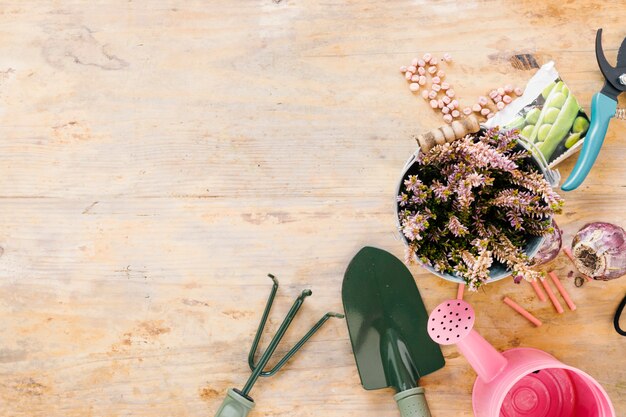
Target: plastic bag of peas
column 547, row 115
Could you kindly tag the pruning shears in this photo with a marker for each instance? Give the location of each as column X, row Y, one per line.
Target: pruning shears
column 603, row 108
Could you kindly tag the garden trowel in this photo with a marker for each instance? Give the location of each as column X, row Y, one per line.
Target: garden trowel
column 387, row 322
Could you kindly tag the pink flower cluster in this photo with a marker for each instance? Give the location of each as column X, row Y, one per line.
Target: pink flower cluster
column 473, row 202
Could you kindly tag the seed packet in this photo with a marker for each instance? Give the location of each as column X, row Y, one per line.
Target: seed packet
column 547, row 115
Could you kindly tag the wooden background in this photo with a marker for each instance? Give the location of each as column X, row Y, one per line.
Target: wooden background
column 159, row 158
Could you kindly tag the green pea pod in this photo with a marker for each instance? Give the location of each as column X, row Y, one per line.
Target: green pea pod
column 571, row 140
column 561, row 127
column 527, row 130
column 546, row 91
column 518, row 123
column 547, row 105
column 532, row 117
column 543, row 132
column 551, row 115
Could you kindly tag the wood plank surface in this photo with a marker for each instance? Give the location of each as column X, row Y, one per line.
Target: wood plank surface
column 159, row 158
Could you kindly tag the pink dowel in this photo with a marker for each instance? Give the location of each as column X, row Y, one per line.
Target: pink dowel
column 552, row 297
column 534, row 320
column 540, row 294
column 564, row 293
column 459, row 291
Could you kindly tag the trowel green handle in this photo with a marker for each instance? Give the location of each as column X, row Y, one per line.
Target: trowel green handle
column 412, row 403
column 235, row 405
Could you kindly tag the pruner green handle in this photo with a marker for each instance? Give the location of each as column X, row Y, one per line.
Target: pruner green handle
column 602, row 110
column 412, row 403
column 235, row 405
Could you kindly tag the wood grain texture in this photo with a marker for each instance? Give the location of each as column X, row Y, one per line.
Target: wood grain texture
column 159, row 158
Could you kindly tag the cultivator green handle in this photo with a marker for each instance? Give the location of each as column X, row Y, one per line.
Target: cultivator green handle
column 412, row 403
column 235, row 405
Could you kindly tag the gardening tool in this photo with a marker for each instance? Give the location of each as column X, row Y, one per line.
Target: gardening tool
column 238, row 403
column 518, row 382
column 603, row 108
column 387, row 324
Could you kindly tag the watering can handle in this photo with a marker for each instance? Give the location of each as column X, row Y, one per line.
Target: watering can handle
column 412, row 403
column 235, row 405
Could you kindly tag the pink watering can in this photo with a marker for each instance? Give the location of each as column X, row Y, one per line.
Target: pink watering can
column 520, row 382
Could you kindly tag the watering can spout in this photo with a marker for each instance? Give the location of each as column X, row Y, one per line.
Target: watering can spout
column 484, row 358
column 452, row 322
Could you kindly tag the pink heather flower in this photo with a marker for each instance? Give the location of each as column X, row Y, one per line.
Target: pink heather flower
column 465, row 196
column 536, row 183
column 475, row 179
column 410, row 256
column 513, row 199
column 502, row 140
column 456, row 227
column 403, row 199
column 414, row 225
column 515, row 219
column 485, row 156
column 438, row 154
column 441, row 192
column 413, row 183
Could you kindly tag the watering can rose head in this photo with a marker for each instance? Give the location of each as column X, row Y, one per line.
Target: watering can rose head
column 468, row 204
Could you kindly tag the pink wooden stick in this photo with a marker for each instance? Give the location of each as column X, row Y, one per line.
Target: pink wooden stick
column 552, row 297
column 534, row 320
column 564, row 293
column 571, row 258
column 459, row 291
column 540, row 294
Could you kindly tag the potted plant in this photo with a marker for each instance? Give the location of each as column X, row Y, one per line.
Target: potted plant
column 476, row 209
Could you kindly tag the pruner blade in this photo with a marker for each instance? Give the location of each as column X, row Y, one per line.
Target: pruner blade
column 615, row 76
